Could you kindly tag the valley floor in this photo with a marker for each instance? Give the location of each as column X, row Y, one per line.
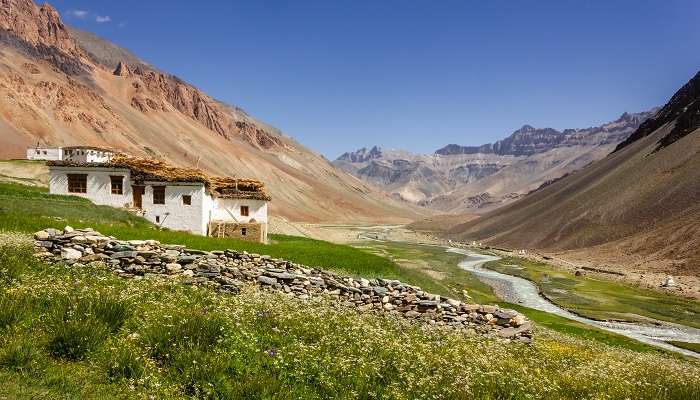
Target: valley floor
column 423, row 258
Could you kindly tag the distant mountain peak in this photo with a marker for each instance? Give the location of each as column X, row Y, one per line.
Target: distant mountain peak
column 362, row 155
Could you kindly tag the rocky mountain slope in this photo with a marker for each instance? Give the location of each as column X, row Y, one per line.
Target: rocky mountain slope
column 61, row 86
column 638, row 207
column 476, row 179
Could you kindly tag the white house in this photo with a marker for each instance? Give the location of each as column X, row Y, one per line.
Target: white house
column 45, row 153
column 73, row 153
column 171, row 197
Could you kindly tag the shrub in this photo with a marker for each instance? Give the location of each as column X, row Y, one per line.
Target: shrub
column 12, row 309
column 201, row 374
column 186, row 331
column 15, row 256
column 73, row 338
column 80, row 324
column 111, row 311
column 124, row 362
column 19, row 356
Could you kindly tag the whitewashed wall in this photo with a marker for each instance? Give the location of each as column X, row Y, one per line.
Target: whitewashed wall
column 174, row 214
column 87, row 155
column 99, row 185
column 207, row 207
column 45, row 153
column 257, row 209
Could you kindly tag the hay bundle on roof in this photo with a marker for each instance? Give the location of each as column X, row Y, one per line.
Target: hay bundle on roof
column 144, row 169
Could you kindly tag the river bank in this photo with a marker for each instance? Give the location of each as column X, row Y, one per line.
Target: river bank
column 521, row 291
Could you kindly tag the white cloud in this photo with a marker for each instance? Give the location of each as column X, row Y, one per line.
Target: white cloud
column 122, row 24
column 102, row 19
column 80, row 14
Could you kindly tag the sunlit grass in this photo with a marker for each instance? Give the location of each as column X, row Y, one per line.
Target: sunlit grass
column 181, row 341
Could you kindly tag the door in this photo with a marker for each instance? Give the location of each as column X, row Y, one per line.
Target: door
column 138, row 192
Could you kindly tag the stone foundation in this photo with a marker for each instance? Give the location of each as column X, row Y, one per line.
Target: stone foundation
column 253, row 232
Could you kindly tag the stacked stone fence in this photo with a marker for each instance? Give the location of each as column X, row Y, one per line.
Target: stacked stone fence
column 230, row 270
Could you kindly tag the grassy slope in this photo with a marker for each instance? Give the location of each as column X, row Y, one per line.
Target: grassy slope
column 28, row 209
column 602, row 299
column 77, row 332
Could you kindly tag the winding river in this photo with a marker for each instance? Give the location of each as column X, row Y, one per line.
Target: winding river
column 524, row 292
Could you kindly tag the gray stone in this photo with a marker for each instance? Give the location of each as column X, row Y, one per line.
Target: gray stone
column 504, row 314
column 281, row 275
column 122, row 247
column 267, row 280
column 124, row 254
column 186, row 259
column 70, row 254
column 380, row 291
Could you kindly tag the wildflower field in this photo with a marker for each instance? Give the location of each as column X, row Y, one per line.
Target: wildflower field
column 81, row 332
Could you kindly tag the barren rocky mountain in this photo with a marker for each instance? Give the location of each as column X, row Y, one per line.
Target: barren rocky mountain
column 477, row 179
column 61, row 86
column 639, row 207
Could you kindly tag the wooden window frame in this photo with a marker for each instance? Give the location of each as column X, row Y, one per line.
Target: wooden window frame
column 245, row 211
column 116, row 183
column 160, row 199
column 77, row 183
column 187, row 199
column 243, row 231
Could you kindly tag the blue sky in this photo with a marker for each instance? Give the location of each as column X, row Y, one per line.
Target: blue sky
column 339, row 75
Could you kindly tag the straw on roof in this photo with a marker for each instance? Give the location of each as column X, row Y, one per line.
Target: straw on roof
column 143, row 170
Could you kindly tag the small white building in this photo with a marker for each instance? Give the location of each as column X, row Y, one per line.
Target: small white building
column 72, row 153
column 45, row 153
column 174, row 198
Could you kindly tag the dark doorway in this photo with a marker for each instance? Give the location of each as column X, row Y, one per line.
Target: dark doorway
column 138, row 192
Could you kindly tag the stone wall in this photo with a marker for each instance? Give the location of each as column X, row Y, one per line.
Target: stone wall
column 253, row 232
column 229, row 270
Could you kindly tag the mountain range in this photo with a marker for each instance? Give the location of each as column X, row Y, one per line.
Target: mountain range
column 638, row 207
column 476, row 179
column 62, row 86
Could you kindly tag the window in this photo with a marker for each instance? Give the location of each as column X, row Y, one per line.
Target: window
column 244, row 211
column 158, row 194
column 117, row 184
column 44, row 152
column 157, row 219
column 186, row 199
column 243, row 232
column 77, row 183
column 37, row 152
